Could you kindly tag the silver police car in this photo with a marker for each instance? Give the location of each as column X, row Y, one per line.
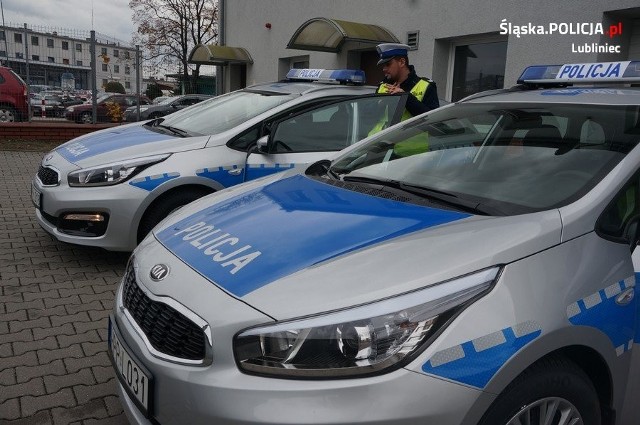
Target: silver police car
column 470, row 266
column 111, row 187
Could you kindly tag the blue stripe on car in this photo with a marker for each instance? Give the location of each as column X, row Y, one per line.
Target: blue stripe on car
column 601, row 311
column 475, row 362
column 151, row 182
column 253, row 239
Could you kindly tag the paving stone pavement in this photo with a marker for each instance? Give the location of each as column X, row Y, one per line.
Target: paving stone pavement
column 54, row 303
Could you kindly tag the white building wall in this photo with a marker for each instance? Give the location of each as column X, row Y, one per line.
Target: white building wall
column 440, row 22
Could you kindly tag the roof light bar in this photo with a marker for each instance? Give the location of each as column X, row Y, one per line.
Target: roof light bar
column 353, row 76
column 571, row 73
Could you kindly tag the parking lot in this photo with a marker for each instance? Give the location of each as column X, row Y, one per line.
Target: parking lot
column 54, row 303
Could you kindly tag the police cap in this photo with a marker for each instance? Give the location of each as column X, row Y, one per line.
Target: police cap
column 388, row 51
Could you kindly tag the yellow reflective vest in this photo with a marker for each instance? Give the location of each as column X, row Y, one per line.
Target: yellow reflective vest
column 418, row 90
column 416, row 144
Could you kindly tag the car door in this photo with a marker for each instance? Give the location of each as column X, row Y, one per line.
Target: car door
column 314, row 134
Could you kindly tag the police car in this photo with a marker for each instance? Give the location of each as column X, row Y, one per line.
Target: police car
column 109, row 188
column 472, row 265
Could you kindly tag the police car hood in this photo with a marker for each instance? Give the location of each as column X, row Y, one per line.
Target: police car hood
column 297, row 246
column 122, row 143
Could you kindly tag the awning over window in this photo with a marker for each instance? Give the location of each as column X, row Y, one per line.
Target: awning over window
column 328, row 35
column 212, row 54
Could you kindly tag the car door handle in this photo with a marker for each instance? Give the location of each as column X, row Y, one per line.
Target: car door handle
column 235, row 171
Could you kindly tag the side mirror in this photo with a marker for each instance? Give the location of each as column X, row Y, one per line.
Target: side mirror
column 318, row 168
column 263, row 144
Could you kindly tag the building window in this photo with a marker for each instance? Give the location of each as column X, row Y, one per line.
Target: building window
column 19, row 55
column 127, row 84
column 65, row 45
column 2, row 35
column 116, row 69
column 127, row 70
column 104, row 82
column 3, row 54
column 35, row 57
column 78, row 47
column 65, row 61
column 17, row 38
column 413, row 37
column 51, row 59
column 35, row 41
column 103, row 50
column 116, row 53
column 127, row 54
column 49, row 42
column 78, row 63
column 105, row 67
column 478, row 67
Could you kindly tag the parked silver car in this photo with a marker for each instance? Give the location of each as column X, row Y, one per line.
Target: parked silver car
column 470, row 266
column 165, row 107
column 111, row 187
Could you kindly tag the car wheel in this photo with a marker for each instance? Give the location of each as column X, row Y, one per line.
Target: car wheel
column 165, row 205
column 7, row 114
column 553, row 391
column 85, row 118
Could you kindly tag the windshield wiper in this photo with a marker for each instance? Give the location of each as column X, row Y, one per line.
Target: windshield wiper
column 441, row 196
column 174, row 130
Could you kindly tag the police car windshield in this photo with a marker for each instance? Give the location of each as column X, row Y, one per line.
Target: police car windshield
column 224, row 112
column 511, row 158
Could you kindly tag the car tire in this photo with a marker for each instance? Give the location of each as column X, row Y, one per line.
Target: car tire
column 8, row 114
column 85, row 118
column 552, row 383
column 165, row 205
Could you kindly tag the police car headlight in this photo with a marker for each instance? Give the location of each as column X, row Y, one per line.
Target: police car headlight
column 110, row 174
column 369, row 339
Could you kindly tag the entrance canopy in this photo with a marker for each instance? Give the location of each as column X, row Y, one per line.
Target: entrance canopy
column 328, row 35
column 212, row 54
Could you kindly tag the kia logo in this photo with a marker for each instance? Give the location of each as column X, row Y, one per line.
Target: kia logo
column 159, row 272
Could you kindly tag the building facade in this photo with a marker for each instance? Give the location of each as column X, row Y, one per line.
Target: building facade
column 64, row 60
column 464, row 46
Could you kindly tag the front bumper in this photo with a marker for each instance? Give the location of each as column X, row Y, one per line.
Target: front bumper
column 220, row 393
column 217, row 392
column 120, row 203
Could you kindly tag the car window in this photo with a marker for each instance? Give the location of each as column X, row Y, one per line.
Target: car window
column 619, row 221
column 531, row 157
column 332, row 127
column 245, row 139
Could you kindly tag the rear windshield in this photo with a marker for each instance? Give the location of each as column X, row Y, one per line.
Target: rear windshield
column 225, row 112
column 509, row 159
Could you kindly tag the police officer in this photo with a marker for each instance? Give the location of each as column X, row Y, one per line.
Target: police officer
column 399, row 77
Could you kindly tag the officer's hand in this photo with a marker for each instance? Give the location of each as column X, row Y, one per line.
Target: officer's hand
column 393, row 88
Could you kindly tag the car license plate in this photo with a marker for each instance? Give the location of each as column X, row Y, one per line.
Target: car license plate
column 133, row 377
column 36, row 196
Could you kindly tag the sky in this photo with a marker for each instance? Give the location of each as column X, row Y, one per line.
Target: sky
column 110, row 17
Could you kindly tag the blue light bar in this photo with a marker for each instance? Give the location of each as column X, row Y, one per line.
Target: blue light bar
column 353, row 76
column 596, row 72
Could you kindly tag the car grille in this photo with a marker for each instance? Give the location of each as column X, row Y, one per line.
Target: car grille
column 168, row 330
column 48, row 176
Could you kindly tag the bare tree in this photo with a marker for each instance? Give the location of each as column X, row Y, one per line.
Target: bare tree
column 169, row 29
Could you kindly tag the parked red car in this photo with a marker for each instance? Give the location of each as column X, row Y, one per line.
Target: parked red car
column 13, row 96
column 111, row 107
